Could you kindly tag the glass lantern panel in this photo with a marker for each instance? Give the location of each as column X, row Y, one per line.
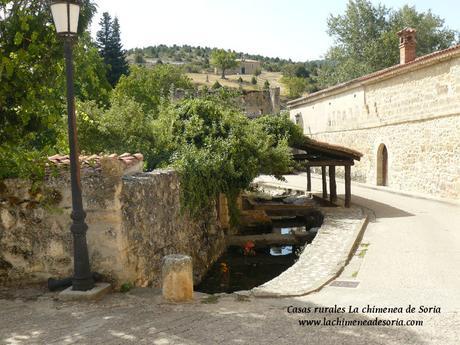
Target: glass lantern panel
column 74, row 14
column 59, row 12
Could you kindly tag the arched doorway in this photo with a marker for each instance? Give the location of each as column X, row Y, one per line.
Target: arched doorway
column 382, row 165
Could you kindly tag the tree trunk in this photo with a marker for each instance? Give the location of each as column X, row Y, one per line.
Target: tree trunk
column 223, row 74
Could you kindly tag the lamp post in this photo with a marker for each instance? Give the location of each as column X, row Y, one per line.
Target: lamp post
column 65, row 16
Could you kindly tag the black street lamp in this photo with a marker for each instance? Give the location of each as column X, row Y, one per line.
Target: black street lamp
column 65, row 16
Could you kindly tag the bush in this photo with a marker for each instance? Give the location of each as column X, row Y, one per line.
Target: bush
column 125, row 127
column 149, row 86
column 267, row 85
column 257, row 72
column 214, row 147
column 253, row 80
column 280, row 128
column 218, row 150
column 139, row 58
column 295, row 85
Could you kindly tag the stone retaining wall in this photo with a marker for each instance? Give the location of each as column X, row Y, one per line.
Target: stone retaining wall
column 134, row 220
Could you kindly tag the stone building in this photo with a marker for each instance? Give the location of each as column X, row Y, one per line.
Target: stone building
column 245, row 66
column 405, row 119
column 255, row 103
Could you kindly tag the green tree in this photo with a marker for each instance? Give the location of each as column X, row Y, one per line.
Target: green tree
column 32, row 83
column 217, row 149
column 111, row 49
column 119, row 65
column 150, row 86
column 124, row 127
column 223, row 60
column 366, row 40
column 295, row 70
column 139, row 58
column 295, row 85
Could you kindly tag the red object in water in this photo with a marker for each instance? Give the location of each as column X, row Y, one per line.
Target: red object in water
column 248, row 248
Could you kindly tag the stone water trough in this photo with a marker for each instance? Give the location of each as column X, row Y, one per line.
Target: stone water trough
column 286, row 245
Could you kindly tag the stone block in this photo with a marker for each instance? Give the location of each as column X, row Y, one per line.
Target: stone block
column 97, row 292
column 177, row 278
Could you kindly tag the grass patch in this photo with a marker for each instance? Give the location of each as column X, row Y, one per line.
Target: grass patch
column 362, row 253
column 365, row 245
column 355, row 274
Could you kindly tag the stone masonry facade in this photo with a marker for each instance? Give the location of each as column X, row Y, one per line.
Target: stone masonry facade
column 413, row 109
column 134, row 220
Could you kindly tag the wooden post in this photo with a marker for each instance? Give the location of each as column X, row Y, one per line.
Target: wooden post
column 308, row 179
column 332, row 184
column 323, row 177
column 347, row 186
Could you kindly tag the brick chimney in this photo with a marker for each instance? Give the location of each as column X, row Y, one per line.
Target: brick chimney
column 407, row 45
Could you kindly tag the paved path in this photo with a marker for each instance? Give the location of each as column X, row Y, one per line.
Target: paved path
column 412, row 257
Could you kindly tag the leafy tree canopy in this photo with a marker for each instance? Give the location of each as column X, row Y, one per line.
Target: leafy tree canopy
column 366, row 40
column 32, row 83
column 148, row 86
column 219, row 150
column 223, row 60
column 296, row 86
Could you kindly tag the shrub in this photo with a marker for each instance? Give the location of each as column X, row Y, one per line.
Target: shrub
column 253, row 80
column 148, row 86
column 295, row 85
column 216, row 150
column 267, row 85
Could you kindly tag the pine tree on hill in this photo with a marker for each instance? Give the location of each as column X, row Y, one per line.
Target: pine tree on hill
column 110, row 48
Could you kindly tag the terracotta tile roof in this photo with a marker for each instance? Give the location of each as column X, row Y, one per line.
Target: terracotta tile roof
column 387, row 72
column 94, row 161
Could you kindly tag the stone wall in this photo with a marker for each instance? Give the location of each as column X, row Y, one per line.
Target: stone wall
column 134, row 220
column 155, row 226
column 415, row 114
column 258, row 103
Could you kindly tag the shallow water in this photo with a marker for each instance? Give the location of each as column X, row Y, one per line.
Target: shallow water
column 238, row 270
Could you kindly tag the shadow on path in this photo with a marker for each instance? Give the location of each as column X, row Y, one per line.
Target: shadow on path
column 379, row 209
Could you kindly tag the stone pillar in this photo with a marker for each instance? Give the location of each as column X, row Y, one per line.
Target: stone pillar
column 177, row 278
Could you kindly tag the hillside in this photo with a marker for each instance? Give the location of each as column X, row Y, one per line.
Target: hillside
column 232, row 80
column 196, row 63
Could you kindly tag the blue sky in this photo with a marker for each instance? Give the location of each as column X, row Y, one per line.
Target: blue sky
column 293, row 29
